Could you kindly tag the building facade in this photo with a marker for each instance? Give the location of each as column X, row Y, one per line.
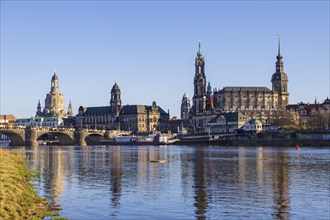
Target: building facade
column 143, row 118
column 315, row 115
column 103, row 116
column 134, row 118
column 226, row 122
column 54, row 102
column 40, row 122
column 253, row 102
column 185, row 107
column 257, row 102
column 7, row 120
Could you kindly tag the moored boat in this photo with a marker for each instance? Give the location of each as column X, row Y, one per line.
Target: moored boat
column 151, row 139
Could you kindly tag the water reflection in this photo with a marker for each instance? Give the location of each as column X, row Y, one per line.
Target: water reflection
column 194, row 182
column 53, row 163
column 115, row 178
column 200, row 184
column 281, row 185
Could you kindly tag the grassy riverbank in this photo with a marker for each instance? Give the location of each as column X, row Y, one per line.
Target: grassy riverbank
column 18, row 199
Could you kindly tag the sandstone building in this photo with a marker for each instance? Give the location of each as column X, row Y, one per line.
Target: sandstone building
column 254, row 102
column 312, row 115
column 135, row 118
column 54, row 102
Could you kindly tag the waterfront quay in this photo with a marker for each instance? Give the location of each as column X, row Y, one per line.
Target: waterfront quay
column 270, row 138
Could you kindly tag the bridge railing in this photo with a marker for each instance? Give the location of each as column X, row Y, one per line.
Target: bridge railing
column 56, row 129
column 11, row 127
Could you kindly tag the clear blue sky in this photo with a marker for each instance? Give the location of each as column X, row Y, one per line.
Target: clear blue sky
column 149, row 49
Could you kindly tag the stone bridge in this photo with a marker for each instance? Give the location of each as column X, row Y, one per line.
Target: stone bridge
column 28, row 136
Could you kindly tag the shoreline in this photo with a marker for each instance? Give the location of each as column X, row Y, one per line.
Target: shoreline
column 279, row 138
column 270, row 143
column 18, row 198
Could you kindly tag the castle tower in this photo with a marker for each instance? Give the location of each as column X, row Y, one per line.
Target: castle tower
column 199, row 98
column 185, row 107
column 280, row 80
column 54, row 102
column 115, row 100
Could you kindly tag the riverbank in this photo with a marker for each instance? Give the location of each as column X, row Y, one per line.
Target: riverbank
column 277, row 138
column 18, row 198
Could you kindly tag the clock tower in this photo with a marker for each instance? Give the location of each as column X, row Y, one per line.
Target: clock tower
column 199, row 99
column 280, row 81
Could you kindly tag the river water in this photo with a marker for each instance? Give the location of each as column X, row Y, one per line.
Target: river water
column 184, row 182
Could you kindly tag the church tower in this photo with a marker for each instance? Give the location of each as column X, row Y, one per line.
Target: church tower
column 115, row 100
column 199, row 99
column 185, row 107
column 39, row 112
column 280, row 80
column 54, row 102
column 70, row 112
column 210, row 100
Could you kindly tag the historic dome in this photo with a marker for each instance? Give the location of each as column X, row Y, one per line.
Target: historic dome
column 115, row 87
column 327, row 101
column 279, row 76
column 54, row 77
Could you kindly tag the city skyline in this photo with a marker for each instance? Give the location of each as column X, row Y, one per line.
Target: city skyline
column 149, row 48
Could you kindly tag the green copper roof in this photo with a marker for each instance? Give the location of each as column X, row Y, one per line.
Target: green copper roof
column 199, row 53
column 185, row 96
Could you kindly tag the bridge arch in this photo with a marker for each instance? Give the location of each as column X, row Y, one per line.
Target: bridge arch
column 93, row 138
column 17, row 138
column 63, row 137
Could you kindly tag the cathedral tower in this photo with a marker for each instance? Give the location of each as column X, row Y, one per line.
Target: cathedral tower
column 70, row 112
column 199, row 99
column 185, row 107
column 115, row 100
column 280, row 80
column 54, row 102
column 39, row 112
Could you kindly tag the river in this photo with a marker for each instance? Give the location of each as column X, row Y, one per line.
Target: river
column 183, row 182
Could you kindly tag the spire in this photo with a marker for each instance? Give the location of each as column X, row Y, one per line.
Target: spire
column 70, row 113
column 279, row 62
column 39, row 113
column 115, row 87
column 279, row 47
column 185, row 96
column 199, row 53
column 209, row 89
column 39, row 106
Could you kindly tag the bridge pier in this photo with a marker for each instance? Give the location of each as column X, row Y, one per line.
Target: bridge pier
column 31, row 137
column 79, row 137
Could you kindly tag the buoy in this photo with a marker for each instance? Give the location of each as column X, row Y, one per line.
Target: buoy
column 297, row 147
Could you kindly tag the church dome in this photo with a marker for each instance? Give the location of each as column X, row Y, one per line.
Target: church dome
column 327, row 101
column 115, row 87
column 279, row 76
column 54, row 77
